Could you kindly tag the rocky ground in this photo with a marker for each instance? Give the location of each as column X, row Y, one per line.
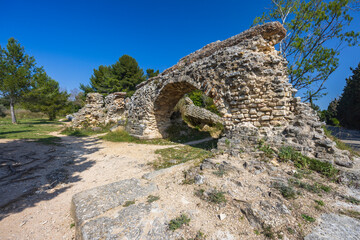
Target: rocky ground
column 117, row 193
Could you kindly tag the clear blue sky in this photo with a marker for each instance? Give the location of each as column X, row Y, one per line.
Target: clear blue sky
column 71, row 38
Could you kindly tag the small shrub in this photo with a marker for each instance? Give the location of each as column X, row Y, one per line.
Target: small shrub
column 268, row 151
column 286, row 191
column 217, row 197
column 308, row 218
column 320, row 202
column 214, row 197
column 128, row 203
column 315, row 188
column 179, row 222
column 152, row 198
column 268, row 232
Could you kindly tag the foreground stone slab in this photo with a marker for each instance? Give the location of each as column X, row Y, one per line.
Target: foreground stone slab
column 101, row 213
column 335, row 226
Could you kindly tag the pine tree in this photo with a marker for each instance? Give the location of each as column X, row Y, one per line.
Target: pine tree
column 122, row 76
column 16, row 71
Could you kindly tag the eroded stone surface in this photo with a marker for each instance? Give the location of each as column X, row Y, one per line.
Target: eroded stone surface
column 335, row 226
column 100, row 111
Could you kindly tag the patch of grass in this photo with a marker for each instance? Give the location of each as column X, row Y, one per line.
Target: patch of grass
column 352, row 200
column 303, row 162
column 286, row 191
column 173, row 156
column 314, row 188
column 256, row 232
column 128, row 203
column 340, row 144
column 179, row 222
column 320, row 202
column 72, row 225
column 152, row 198
column 35, row 129
column 123, row 136
column 308, row 218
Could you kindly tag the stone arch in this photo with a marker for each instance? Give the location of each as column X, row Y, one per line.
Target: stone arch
column 245, row 75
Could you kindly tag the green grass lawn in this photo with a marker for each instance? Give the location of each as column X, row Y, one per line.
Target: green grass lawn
column 36, row 129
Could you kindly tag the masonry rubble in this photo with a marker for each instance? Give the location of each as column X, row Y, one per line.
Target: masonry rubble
column 100, row 110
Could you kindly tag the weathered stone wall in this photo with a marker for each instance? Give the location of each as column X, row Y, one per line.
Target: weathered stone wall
column 100, row 111
column 244, row 75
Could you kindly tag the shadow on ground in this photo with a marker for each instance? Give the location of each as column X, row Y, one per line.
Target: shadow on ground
column 31, row 172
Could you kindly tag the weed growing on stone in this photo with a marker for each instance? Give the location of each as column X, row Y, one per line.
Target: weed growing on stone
column 128, row 203
column 308, row 218
column 72, row 225
column 152, row 198
column 179, row 222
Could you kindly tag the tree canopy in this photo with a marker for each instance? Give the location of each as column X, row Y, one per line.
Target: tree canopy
column 316, row 32
column 348, row 108
column 45, row 95
column 122, row 76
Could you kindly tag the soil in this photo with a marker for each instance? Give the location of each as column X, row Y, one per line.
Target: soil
column 37, row 183
column 44, row 212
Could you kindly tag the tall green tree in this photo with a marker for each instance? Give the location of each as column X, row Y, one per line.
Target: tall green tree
column 45, row 96
column 316, row 32
column 348, row 108
column 122, row 76
column 16, row 71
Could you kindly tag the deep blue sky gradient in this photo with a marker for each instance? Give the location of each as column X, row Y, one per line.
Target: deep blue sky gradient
column 71, row 38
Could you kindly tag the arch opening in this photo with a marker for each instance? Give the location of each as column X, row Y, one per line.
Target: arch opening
column 177, row 116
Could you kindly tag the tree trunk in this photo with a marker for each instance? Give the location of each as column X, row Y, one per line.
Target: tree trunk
column 12, row 111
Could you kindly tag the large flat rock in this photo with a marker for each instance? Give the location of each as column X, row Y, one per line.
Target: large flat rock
column 100, row 213
column 334, row 226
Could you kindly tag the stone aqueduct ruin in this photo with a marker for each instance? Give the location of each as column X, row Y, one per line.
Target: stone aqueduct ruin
column 244, row 74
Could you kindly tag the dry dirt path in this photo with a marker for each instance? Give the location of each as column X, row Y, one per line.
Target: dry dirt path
column 36, row 190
